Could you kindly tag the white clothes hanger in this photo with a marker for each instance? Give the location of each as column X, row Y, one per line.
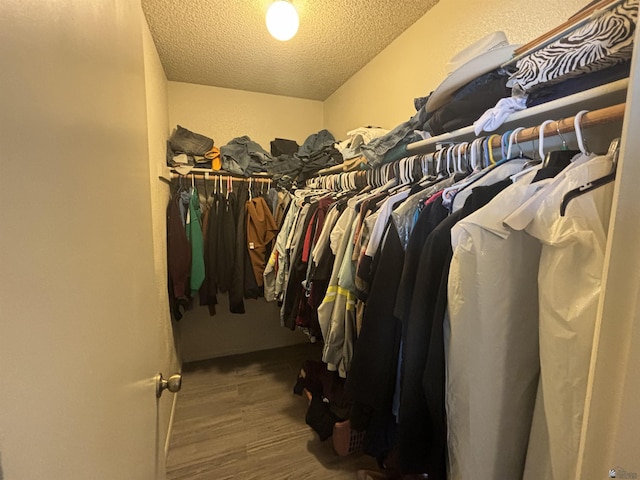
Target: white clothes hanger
column 450, row 159
column 476, row 148
column 582, row 145
column 512, row 137
column 458, row 166
column 541, row 138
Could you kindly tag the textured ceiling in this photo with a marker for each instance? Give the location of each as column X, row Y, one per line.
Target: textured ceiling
column 225, row 43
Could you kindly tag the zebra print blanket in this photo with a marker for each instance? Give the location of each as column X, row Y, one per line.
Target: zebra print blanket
column 605, row 41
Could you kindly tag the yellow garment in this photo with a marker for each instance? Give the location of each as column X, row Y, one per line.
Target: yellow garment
column 214, row 156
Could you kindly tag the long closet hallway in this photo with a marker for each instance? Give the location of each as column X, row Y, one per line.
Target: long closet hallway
column 237, row 418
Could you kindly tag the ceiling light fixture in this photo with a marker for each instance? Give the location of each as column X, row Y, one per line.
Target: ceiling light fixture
column 282, row 20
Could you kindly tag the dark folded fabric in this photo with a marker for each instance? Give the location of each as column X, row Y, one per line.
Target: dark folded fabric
column 282, row 146
column 469, row 103
column 320, row 382
column 546, row 94
column 186, row 141
column 285, row 165
column 320, row 418
column 420, row 102
column 327, row 157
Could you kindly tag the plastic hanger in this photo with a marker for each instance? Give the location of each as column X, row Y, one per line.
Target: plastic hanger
column 451, row 160
column 461, row 148
column 541, row 138
column 473, row 155
column 489, row 148
column 556, row 160
column 529, row 166
column 504, row 140
column 512, row 137
column 582, row 144
column 597, row 183
column 204, row 184
column 476, row 151
column 438, row 157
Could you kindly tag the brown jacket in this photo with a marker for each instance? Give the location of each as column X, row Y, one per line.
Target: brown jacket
column 261, row 230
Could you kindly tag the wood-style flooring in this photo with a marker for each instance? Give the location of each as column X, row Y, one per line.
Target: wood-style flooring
column 237, row 418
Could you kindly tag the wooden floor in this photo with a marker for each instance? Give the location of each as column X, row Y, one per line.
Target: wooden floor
column 237, row 418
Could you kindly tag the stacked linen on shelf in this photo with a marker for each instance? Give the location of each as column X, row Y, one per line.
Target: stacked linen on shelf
column 245, row 157
column 187, row 149
column 351, row 149
column 317, row 152
column 351, row 146
column 603, row 42
column 595, row 51
column 475, row 82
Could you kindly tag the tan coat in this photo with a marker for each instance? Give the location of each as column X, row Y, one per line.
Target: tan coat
column 261, row 230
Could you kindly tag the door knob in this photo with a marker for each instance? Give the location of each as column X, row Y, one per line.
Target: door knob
column 173, row 384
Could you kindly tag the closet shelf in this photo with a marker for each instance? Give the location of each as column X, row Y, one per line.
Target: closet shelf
column 593, row 99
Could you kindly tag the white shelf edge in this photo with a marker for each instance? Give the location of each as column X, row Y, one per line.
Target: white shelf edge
column 591, row 99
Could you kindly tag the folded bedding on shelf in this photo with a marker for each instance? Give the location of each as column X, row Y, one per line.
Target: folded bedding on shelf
column 605, row 41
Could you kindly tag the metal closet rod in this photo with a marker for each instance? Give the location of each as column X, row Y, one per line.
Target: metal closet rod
column 216, row 177
column 565, row 125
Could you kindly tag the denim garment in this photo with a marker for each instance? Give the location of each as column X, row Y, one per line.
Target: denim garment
column 285, row 165
column 377, row 148
column 316, row 142
column 183, row 204
column 420, row 102
column 327, row 157
column 400, row 150
column 185, row 141
column 243, row 156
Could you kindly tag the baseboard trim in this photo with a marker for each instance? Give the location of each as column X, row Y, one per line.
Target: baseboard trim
column 167, row 442
column 241, row 350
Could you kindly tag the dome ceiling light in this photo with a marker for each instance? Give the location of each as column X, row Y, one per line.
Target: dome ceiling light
column 282, row 20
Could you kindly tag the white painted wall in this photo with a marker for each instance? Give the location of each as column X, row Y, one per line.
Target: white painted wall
column 203, row 336
column 223, row 114
column 158, row 130
column 382, row 92
column 83, row 331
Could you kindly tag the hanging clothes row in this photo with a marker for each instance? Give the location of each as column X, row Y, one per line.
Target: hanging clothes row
column 456, row 293
column 218, row 240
